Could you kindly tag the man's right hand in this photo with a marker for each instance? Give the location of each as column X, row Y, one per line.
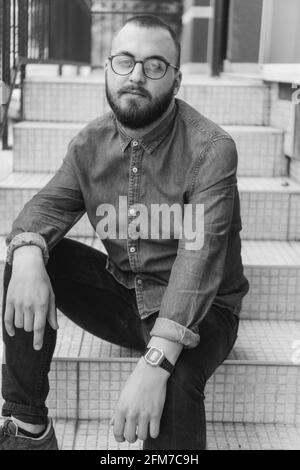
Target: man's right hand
column 30, row 300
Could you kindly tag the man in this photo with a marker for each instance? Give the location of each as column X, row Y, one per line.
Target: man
column 165, row 293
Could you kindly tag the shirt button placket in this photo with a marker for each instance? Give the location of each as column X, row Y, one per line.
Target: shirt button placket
column 133, row 193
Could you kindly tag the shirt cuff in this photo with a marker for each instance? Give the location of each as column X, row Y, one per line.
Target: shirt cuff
column 173, row 331
column 27, row 239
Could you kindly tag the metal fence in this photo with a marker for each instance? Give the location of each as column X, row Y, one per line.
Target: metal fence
column 59, row 32
column 41, row 31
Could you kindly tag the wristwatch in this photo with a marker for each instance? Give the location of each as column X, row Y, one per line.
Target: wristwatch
column 156, row 357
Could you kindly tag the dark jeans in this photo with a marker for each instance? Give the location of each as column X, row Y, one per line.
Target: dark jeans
column 89, row 295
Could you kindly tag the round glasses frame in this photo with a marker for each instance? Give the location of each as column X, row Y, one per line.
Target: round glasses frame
column 168, row 64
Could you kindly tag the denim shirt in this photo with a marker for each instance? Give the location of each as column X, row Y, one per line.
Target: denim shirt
column 186, row 159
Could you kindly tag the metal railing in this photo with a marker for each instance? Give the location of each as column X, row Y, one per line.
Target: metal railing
column 40, row 31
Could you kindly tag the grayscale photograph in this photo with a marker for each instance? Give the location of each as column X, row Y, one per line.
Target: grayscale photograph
column 150, row 227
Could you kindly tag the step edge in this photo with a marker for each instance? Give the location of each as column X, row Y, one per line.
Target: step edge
column 229, row 362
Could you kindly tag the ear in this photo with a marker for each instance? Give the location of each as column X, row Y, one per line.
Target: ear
column 106, row 64
column 177, row 82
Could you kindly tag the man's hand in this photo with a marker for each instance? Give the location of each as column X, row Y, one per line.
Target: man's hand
column 30, row 299
column 141, row 404
column 142, row 400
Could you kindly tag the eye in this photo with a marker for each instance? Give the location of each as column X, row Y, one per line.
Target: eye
column 155, row 65
column 123, row 61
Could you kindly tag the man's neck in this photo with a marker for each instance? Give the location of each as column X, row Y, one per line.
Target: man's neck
column 137, row 133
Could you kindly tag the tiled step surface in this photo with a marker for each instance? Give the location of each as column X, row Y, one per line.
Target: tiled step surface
column 270, row 207
column 82, row 99
column 98, row 435
column 40, row 147
column 273, row 271
column 295, row 169
column 259, row 382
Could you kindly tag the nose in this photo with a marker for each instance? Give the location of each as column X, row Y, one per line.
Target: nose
column 137, row 75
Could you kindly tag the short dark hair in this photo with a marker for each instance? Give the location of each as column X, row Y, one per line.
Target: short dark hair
column 152, row 21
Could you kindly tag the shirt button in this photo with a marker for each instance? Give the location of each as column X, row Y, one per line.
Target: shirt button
column 132, row 211
column 140, row 282
column 134, row 169
column 132, row 249
column 135, row 143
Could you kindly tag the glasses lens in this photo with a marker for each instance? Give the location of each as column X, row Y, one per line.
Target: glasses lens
column 122, row 64
column 155, row 68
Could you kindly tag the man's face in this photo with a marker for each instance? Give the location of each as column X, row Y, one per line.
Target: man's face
column 136, row 100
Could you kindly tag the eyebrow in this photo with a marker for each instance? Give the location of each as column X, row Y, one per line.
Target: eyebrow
column 155, row 56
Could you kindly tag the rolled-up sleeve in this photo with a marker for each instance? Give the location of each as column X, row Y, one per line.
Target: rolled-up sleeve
column 197, row 271
column 55, row 208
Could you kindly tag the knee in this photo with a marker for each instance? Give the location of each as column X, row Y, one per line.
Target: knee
column 53, row 266
column 188, row 380
column 58, row 256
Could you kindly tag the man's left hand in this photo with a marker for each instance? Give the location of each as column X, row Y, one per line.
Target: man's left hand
column 141, row 404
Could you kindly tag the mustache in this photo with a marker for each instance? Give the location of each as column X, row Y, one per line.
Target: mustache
column 130, row 89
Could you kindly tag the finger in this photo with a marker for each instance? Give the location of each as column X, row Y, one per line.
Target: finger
column 52, row 313
column 143, row 428
column 9, row 318
column 154, row 427
column 19, row 316
column 119, row 424
column 28, row 319
column 130, row 429
column 39, row 329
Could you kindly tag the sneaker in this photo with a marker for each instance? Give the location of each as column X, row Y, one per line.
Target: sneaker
column 10, row 439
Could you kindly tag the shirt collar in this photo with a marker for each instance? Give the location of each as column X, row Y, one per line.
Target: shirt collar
column 152, row 139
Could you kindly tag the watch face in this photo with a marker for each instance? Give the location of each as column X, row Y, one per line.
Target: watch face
column 154, row 356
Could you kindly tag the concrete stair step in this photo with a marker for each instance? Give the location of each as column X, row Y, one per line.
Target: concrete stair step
column 270, row 207
column 273, row 270
column 98, row 435
column 40, row 147
column 258, row 383
column 76, row 99
column 295, row 169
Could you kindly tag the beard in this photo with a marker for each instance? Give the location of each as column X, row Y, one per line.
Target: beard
column 140, row 111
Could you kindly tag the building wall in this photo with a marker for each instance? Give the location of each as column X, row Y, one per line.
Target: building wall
column 195, row 31
column 244, row 31
column 106, row 23
column 281, row 32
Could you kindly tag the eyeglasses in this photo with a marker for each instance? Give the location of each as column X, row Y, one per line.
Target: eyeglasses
column 123, row 64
